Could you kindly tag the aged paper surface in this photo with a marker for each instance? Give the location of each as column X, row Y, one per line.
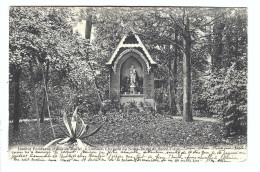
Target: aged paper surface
column 229, row 152
column 135, row 154
column 222, row 154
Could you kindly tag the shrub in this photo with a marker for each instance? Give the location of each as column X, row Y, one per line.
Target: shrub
column 226, row 96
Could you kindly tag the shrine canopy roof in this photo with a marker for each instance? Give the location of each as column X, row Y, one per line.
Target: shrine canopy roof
column 131, row 41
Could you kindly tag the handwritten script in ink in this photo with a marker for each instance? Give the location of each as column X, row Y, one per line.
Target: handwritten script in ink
column 152, row 154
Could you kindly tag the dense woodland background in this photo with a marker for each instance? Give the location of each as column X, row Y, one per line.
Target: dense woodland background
column 201, row 55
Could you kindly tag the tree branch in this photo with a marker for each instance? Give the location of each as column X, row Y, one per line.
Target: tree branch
column 202, row 37
column 164, row 38
column 200, row 26
column 178, row 24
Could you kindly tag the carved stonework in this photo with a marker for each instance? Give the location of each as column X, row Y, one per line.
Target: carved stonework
column 131, row 50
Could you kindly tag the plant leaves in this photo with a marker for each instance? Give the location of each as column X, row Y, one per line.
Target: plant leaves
column 87, row 128
column 94, row 132
column 66, row 133
column 83, row 129
column 74, row 122
column 52, row 142
column 65, row 140
column 65, row 120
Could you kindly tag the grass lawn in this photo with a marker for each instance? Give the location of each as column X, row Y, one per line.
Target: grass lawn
column 136, row 130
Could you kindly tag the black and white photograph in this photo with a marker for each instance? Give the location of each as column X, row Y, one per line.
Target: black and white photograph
column 127, row 84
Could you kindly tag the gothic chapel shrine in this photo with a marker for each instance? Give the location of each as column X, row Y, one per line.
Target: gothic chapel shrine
column 132, row 71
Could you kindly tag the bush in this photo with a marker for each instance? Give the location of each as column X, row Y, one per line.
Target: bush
column 225, row 93
column 162, row 107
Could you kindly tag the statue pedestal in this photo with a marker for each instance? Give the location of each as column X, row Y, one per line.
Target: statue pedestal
column 132, row 89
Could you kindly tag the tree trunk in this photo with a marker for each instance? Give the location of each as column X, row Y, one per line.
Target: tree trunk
column 174, row 87
column 17, row 76
column 236, row 47
column 35, row 103
column 88, row 27
column 47, row 102
column 87, row 36
column 42, row 115
column 170, row 97
column 217, row 47
column 102, row 109
column 211, row 49
column 187, row 110
column 172, row 83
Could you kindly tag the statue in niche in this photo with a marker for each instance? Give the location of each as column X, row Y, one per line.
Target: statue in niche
column 132, row 76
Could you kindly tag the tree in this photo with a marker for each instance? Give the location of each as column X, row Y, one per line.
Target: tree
column 193, row 48
column 33, row 35
column 20, row 45
column 187, row 112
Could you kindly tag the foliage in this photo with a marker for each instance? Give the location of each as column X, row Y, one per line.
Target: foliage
column 43, row 35
column 162, row 106
column 222, row 90
column 74, row 134
column 130, row 107
column 227, row 98
column 37, row 36
column 142, row 129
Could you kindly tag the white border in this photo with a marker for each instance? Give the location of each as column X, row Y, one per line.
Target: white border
column 252, row 164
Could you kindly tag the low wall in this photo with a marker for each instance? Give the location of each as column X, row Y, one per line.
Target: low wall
column 124, row 98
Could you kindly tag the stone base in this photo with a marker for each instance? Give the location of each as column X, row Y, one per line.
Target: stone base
column 125, row 98
column 132, row 89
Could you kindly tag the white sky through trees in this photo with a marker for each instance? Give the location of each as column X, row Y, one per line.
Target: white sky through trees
column 80, row 27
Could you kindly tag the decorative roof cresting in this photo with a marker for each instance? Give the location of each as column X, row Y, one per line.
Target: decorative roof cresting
column 130, row 40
